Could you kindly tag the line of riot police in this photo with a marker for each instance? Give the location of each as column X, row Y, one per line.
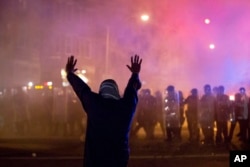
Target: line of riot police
column 211, row 118
column 40, row 112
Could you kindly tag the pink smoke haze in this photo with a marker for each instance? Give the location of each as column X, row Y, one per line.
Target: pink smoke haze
column 174, row 42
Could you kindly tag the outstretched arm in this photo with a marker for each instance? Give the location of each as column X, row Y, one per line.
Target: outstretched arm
column 135, row 68
column 135, row 64
column 79, row 86
column 134, row 83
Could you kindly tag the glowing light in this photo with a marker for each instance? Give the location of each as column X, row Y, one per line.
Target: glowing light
column 63, row 74
column 30, row 84
column 207, row 21
column 211, row 46
column 24, row 88
column 144, row 17
column 38, row 86
column 65, row 83
column 231, row 97
column 49, row 83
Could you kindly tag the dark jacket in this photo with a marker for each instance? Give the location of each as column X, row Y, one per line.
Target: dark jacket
column 108, row 123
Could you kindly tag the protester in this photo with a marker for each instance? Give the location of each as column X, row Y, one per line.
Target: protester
column 109, row 116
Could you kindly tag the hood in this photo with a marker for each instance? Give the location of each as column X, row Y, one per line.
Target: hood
column 109, row 89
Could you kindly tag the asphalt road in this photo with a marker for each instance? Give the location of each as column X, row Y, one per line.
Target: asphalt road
column 68, row 152
column 134, row 162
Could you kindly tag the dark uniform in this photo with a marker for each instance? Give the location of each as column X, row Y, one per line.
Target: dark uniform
column 192, row 103
column 222, row 115
column 139, row 118
column 172, row 114
column 146, row 117
column 159, row 110
column 20, row 104
column 243, row 116
column 148, row 108
column 235, row 111
column 75, row 115
column 181, row 104
column 207, row 114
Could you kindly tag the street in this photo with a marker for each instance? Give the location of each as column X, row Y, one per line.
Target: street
column 68, row 152
column 134, row 162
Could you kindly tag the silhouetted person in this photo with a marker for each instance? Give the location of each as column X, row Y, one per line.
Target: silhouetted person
column 75, row 114
column 139, row 117
column 20, row 100
column 159, row 110
column 243, row 115
column 109, row 116
column 192, row 102
column 172, row 114
column 59, row 113
column 222, row 115
column 7, row 112
column 148, row 108
column 181, row 104
column 207, row 114
column 235, row 114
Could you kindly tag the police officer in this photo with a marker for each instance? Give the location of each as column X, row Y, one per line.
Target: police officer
column 149, row 104
column 234, row 114
column 146, row 114
column 139, row 118
column 244, row 115
column 172, row 114
column 207, row 114
column 159, row 110
column 222, row 115
column 192, row 102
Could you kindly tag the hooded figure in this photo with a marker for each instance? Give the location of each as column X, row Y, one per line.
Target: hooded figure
column 109, row 89
column 109, row 117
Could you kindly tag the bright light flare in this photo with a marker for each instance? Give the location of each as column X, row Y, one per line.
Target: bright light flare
column 63, row 74
column 30, row 84
column 231, row 97
column 39, row 86
column 212, row 46
column 207, row 21
column 49, row 83
column 144, row 17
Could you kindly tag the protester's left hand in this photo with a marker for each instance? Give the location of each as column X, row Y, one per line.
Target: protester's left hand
column 70, row 66
column 135, row 64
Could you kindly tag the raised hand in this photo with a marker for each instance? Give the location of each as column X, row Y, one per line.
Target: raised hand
column 70, row 66
column 135, row 64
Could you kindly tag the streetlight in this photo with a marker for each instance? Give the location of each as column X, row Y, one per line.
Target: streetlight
column 207, row 21
column 211, row 46
column 144, row 17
